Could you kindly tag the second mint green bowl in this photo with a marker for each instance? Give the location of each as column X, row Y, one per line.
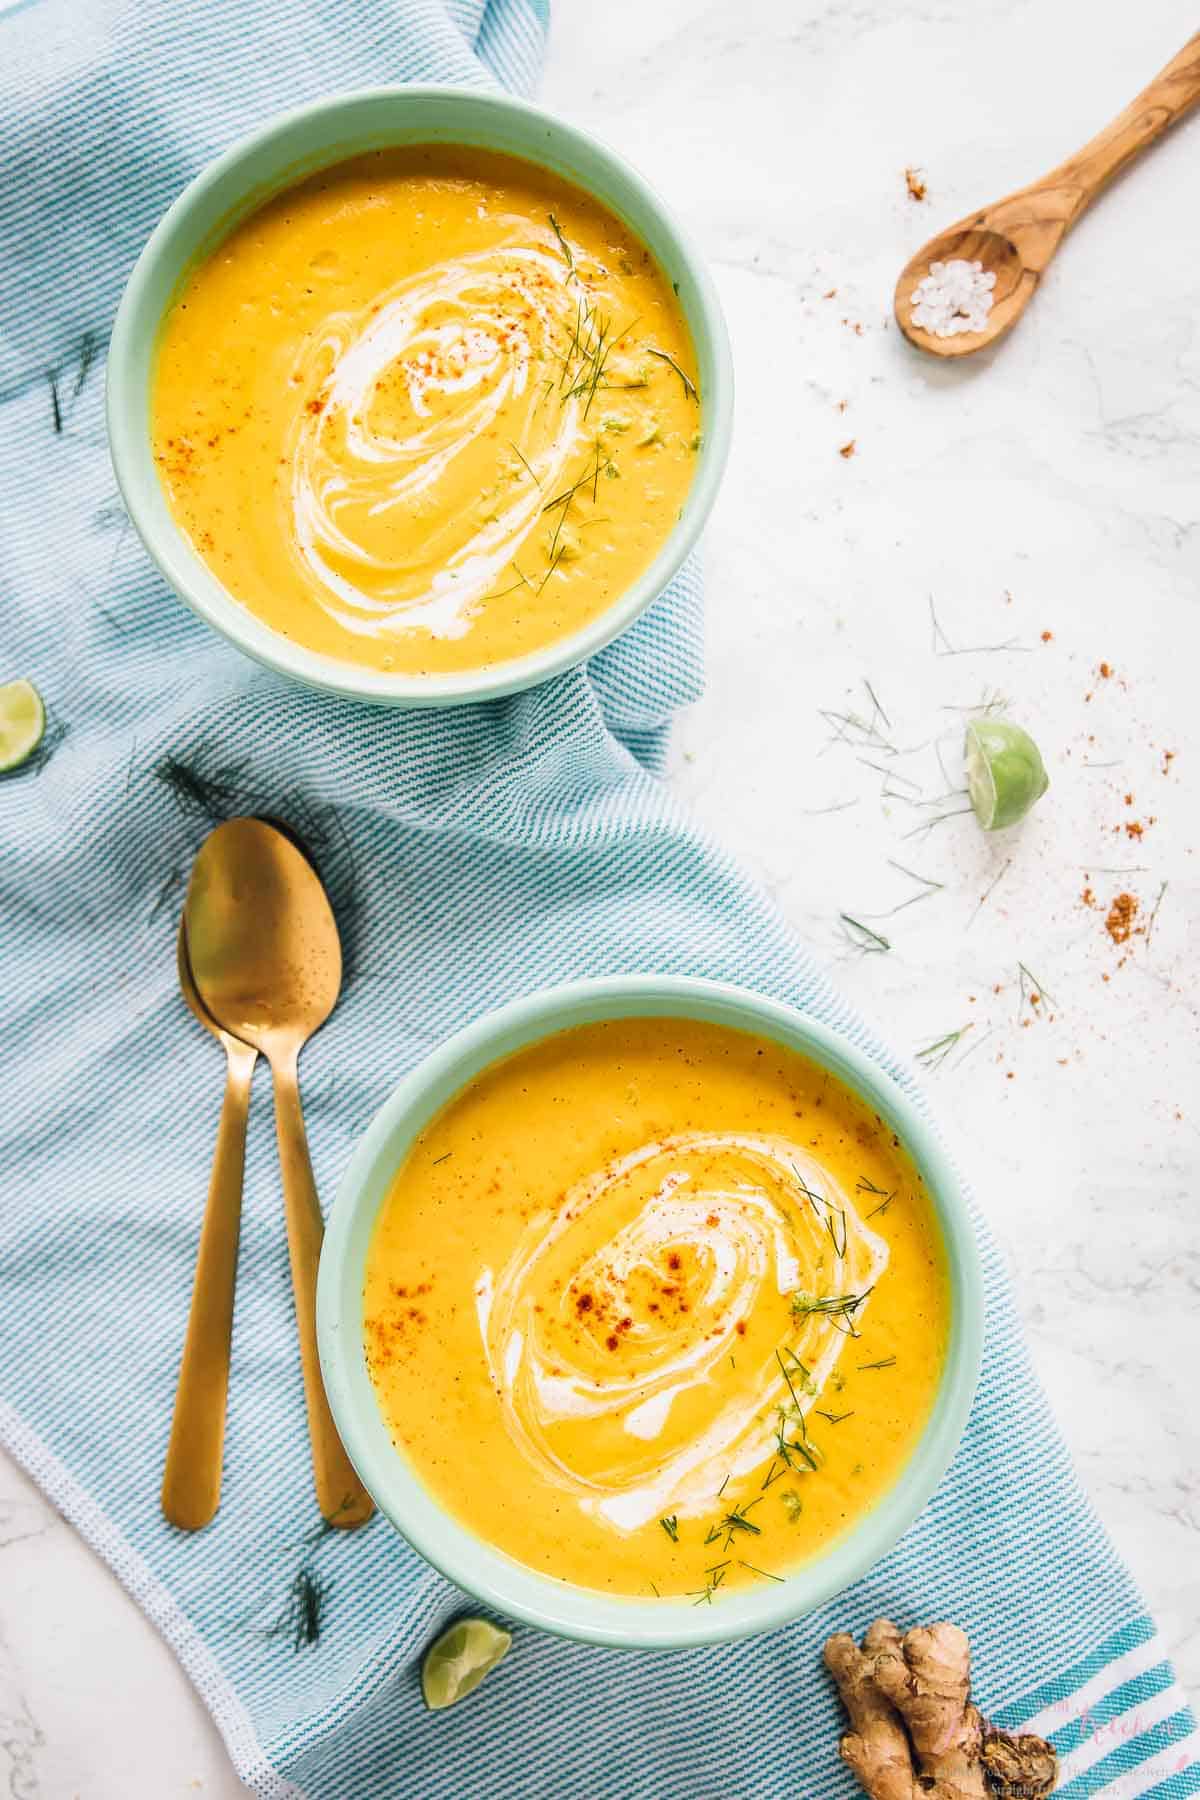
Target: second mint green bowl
column 489, row 1574
column 285, row 151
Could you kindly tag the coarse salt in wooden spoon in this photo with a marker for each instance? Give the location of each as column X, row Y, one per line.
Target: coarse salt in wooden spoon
column 989, row 265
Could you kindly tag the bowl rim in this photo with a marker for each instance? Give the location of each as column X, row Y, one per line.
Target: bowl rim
column 139, row 316
column 490, row 1575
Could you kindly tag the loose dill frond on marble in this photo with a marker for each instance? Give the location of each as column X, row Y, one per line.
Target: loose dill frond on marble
column 1031, row 988
column 874, row 699
column 943, row 647
column 1150, row 922
column 689, row 386
column 935, row 1054
column 861, row 936
column 987, row 893
column 671, row 1527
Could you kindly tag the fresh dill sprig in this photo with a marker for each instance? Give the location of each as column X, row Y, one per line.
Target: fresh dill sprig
column 834, row 1307
column 689, row 386
column 885, row 1362
column 671, row 1527
column 943, row 647
column 722, row 1487
column 862, row 937
column 864, row 1185
column 1154, row 912
column 734, row 1521
column 834, row 1418
column 441, row 1159
column 773, row 1473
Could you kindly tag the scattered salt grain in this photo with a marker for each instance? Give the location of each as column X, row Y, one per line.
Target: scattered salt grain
column 955, row 297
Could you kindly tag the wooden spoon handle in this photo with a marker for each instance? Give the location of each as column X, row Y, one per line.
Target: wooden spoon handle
column 191, row 1489
column 1037, row 217
column 340, row 1494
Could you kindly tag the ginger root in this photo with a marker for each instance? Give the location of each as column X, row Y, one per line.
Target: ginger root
column 914, row 1734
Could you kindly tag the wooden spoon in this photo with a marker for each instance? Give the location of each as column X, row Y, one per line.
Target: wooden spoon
column 267, row 963
column 191, row 1489
column 1016, row 238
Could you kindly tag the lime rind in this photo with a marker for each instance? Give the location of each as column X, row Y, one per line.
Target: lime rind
column 458, row 1660
column 22, row 723
column 1005, row 772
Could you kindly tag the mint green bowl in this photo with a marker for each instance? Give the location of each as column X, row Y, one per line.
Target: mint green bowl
column 285, row 151
column 490, row 1575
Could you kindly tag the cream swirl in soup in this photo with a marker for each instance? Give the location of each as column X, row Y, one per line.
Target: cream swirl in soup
column 666, row 1258
column 406, row 389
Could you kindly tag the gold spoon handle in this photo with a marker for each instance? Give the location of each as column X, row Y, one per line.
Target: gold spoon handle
column 340, row 1495
column 191, row 1489
column 1041, row 214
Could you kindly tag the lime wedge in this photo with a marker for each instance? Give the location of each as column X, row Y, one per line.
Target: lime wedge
column 458, row 1661
column 1005, row 773
column 22, row 722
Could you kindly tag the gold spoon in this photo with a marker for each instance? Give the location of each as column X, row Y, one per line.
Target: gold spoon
column 267, row 962
column 1016, row 238
column 191, row 1489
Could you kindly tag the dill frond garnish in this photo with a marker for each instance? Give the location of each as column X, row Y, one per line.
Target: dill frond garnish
column 689, row 386
column 834, row 1307
column 885, row 1362
column 734, row 1521
column 524, row 463
column 556, row 228
column 834, row 1418
column 765, row 1573
column 715, row 1576
column 671, row 1527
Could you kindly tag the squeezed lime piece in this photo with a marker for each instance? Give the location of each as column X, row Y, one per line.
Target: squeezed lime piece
column 1005, row 772
column 457, row 1662
column 22, row 722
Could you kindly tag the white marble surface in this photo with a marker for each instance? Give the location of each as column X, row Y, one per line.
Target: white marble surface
column 1052, row 486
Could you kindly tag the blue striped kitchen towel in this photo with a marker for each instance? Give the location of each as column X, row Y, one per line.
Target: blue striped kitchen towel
column 471, row 855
